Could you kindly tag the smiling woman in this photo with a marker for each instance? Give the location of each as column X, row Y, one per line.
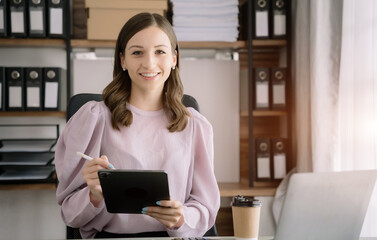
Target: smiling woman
column 141, row 125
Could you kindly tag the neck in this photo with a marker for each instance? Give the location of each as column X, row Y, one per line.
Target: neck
column 147, row 102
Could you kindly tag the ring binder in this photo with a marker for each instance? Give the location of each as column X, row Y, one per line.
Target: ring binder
column 33, row 91
column 261, row 19
column 37, row 18
column 3, row 18
column 278, row 19
column 15, row 89
column 18, row 22
column 262, row 86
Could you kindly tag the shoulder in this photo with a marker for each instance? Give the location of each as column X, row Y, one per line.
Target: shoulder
column 90, row 110
column 197, row 120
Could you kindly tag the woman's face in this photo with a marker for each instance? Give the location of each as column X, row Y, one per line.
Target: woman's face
column 148, row 58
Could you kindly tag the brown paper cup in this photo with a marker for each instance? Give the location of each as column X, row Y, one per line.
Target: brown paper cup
column 246, row 222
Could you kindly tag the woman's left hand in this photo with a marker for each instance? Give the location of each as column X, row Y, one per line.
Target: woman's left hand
column 169, row 214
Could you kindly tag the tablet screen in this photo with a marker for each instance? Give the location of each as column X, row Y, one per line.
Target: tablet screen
column 128, row 191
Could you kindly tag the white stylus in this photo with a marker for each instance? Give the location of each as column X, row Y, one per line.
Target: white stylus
column 90, row 158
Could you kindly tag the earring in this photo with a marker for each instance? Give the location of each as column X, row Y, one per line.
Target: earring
column 124, row 69
column 173, row 67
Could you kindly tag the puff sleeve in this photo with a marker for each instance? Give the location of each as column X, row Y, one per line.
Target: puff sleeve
column 83, row 133
column 203, row 202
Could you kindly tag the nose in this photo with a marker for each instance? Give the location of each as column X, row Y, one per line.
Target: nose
column 149, row 61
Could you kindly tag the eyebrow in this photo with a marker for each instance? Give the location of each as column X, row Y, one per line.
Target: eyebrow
column 138, row 46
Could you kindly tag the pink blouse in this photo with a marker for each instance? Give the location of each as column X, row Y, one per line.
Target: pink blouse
column 186, row 156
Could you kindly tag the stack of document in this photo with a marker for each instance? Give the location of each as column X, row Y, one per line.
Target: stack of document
column 205, row 20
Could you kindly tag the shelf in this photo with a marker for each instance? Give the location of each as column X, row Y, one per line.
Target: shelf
column 234, row 189
column 31, row 186
column 83, row 43
column 32, row 42
column 59, row 114
column 264, row 113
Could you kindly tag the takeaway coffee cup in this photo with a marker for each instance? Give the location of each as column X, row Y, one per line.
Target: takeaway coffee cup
column 246, row 213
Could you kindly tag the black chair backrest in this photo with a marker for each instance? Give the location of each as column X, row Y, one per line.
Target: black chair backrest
column 80, row 99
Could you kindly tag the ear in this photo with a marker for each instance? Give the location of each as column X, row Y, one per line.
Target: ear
column 122, row 63
column 175, row 58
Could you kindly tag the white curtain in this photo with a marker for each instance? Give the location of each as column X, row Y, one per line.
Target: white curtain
column 335, row 89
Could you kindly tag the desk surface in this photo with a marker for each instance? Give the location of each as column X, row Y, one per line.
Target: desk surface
column 219, row 238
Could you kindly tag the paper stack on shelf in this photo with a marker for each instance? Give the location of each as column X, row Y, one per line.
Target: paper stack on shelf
column 205, row 20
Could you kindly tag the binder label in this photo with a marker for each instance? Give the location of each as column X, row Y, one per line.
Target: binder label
column 261, row 19
column 278, row 94
column 33, row 97
column 51, row 94
column 1, row 19
column 17, row 20
column 15, row 97
column 279, row 25
column 56, row 21
column 36, row 20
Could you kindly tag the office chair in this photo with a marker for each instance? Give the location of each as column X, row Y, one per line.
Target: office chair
column 79, row 100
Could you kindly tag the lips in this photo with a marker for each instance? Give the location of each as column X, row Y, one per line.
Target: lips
column 149, row 75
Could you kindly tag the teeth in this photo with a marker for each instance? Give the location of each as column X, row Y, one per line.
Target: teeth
column 149, row 74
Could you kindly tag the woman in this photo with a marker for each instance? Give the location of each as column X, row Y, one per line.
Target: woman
column 141, row 124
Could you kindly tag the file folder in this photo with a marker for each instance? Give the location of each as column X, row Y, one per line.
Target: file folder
column 51, row 87
column 278, row 19
column 33, row 78
column 261, row 19
column 263, row 158
column 18, row 20
column 278, row 88
column 2, row 89
column 262, row 88
column 37, row 18
column 3, row 18
column 279, row 157
column 15, row 89
column 56, row 18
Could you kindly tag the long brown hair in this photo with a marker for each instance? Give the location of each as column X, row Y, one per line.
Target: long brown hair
column 118, row 92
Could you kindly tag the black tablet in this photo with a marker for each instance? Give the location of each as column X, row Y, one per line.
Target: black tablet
column 128, row 191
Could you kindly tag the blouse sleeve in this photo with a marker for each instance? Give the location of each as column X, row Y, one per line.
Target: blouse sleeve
column 83, row 133
column 200, row 209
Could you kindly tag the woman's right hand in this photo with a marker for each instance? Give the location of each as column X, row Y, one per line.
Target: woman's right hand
column 90, row 174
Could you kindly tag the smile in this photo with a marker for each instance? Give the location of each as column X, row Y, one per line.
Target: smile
column 149, row 74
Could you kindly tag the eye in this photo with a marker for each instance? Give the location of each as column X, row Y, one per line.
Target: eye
column 136, row 53
column 160, row 52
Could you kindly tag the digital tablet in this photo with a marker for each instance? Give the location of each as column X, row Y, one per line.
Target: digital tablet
column 129, row 191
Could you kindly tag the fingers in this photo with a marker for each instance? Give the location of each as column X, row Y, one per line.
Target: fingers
column 90, row 175
column 169, row 214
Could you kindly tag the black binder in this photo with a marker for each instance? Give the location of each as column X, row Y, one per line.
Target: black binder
column 263, row 158
column 56, row 11
column 2, row 88
column 261, row 13
column 51, row 88
column 262, row 88
column 278, row 19
column 278, row 88
column 279, row 153
column 18, row 18
column 15, row 90
column 37, row 18
column 3, row 18
column 34, row 84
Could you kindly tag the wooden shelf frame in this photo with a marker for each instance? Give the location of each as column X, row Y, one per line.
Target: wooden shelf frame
column 60, row 114
column 32, row 42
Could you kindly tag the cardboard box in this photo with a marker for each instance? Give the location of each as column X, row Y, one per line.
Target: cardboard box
column 106, row 18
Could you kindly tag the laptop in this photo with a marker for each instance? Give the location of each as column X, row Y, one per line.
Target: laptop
column 326, row 205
